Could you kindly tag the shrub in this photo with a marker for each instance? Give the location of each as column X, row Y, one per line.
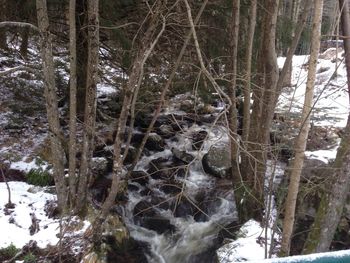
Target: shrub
column 39, row 177
column 8, row 252
column 29, row 258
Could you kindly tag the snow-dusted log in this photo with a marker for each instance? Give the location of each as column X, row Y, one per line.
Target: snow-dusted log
column 19, row 24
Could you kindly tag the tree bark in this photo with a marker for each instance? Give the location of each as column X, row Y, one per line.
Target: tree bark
column 24, row 43
column 82, row 54
column 265, row 99
column 72, row 103
column 55, row 131
column 254, row 160
column 332, row 204
column 248, row 69
column 301, row 140
column 90, row 104
column 119, row 180
column 3, row 41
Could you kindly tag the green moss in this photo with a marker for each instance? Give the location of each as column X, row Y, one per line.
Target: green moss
column 8, row 252
column 39, row 177
column 29, row 258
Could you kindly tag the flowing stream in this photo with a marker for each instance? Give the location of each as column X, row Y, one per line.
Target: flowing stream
column 181, row 210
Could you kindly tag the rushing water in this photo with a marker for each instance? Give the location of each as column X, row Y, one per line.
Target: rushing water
column 191, row 234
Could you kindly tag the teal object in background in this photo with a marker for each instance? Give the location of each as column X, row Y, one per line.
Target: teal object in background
column 330, row 257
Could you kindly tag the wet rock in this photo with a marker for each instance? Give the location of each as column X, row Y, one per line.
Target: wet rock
column 130, row 251
column 159, row 224
column 182, row 155
column 100, row 188
column 136, row 138
column 99, row 166
column 146, row 215
column 166, row 131
column 140, row 177
column 132, row 187
column 171, row 187
column 160, row 169
column 185, row 208
column 217, row 161
column 187, row 105
column 198, row 139
column 131, row 156
column 314, row 170
column 179, row 125
column 155, row 142
column 12, row 175
column 218, row 199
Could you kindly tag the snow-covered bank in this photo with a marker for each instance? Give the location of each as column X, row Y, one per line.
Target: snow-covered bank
column 28, row 220
column 250, row 245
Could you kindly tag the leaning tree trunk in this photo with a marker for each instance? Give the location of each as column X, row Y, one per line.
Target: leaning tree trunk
column 301, row 140
column 90, row 104
column 55, row 131
column 332, row 204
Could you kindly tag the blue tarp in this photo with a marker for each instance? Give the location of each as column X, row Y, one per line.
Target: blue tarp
column 330, row 257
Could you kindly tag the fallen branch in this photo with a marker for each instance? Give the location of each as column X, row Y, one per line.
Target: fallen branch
column 18, row 68
column 19, row 24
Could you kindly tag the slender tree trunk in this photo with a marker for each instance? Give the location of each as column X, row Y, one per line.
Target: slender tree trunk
column 82, row 54
column 253, row 163
column 240, row 190
column 72, row 102
column 119, row 180
column 301, row 140
column 3, row 42
column 90, row 104
column 248, row 60
column 166, row 88
column 24, row 44
column 332, row 203
column 51, row 105
column 265, row 99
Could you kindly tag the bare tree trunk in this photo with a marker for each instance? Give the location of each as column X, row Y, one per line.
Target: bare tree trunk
column 232, row 113
column 24, row 43
column 72, row 102
column 119, row 181
column 253, row 163
column 248, row 60
column 90, row 103
column 82, row 54
column 265, row 99
column 332, row 203
column 166, row 88
column 3, row 42
column 301, row 140
column 51, row 104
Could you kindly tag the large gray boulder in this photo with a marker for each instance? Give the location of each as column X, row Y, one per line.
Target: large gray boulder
column 217, row 161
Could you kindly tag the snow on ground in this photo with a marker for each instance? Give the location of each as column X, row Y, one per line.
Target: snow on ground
column 331, row 109
column 331, row 99
column 249, row 246
column 331, row 96
column 15, row 223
